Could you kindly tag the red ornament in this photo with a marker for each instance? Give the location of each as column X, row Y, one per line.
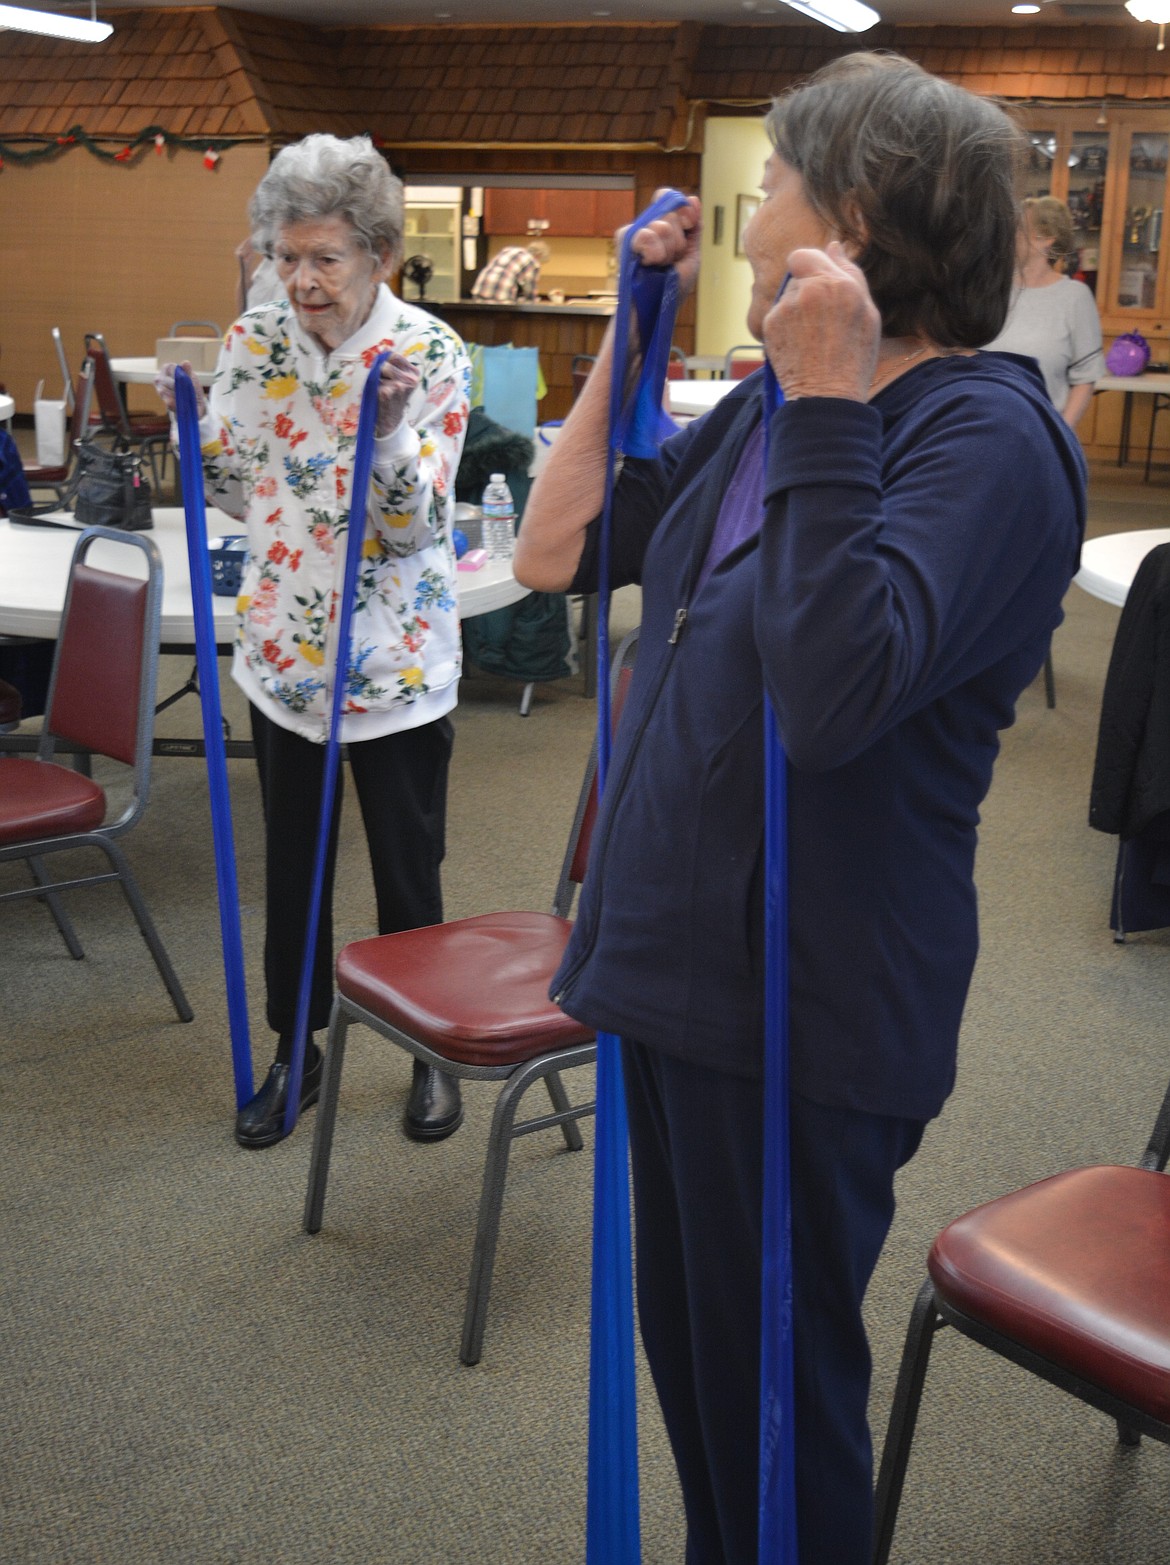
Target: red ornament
column 210, row 158
column 160, row 142
column 124, row 156
column 66, row 141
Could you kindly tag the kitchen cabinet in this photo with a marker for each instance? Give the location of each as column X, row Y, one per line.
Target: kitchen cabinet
column 615, row 208
column 506, row 211
column 568, row 213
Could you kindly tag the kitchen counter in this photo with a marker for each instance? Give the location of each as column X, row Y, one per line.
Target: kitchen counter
column 560, row 332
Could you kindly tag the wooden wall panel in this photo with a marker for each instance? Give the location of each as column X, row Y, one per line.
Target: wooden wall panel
column 92, row 246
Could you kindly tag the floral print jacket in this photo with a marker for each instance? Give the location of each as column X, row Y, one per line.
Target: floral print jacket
column 278, row 443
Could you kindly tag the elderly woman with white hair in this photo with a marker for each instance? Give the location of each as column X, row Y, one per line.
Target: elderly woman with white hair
column 278, row 438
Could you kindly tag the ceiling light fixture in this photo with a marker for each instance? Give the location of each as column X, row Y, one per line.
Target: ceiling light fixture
column 21, row 19
column 1024, row 10
column 1151, row 11
column 844, row 16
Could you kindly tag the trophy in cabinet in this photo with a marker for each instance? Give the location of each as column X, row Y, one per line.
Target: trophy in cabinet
column 1135, row 227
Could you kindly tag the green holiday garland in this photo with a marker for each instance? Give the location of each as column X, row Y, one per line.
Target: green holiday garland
column 34, row 149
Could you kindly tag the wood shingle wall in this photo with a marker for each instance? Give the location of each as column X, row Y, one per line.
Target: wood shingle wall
column 750, row 64
column 218, row 72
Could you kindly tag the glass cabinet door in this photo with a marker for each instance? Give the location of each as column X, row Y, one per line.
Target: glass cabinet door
column 1088, row 164
column 1035, row 175
column 1135, row 282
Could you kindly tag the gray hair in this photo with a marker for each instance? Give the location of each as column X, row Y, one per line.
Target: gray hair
column 919, row 174
column 325, row 176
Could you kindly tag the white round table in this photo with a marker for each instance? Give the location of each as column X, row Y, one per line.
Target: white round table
column 7, row 409
column 697, row 396
column 1109, row 564
column 34, row 569
column 141, row 372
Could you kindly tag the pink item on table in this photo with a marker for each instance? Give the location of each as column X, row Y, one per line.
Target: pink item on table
column 472, row 560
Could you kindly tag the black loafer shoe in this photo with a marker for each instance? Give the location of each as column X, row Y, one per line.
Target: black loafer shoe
column 260, row 1123
column 434, row 1109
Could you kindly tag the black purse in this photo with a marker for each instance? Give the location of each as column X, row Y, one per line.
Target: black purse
column 108, row 489
column 112, row 490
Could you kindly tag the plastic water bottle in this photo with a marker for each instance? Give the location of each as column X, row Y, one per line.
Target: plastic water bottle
column 499, row 519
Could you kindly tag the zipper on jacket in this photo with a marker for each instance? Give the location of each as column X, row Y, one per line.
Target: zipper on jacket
column 680, row 619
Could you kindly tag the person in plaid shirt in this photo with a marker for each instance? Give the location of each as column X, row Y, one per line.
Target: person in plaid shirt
column 513, row 274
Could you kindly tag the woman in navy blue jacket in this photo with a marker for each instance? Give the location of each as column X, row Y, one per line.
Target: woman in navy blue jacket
column 891, row 577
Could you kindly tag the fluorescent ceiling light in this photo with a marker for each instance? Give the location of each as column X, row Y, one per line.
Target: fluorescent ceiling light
column 22, row 20
column 1024, row 10
column 845, row 16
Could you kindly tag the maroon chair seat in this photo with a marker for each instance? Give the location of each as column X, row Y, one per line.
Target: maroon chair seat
column 475, row 990
column 1076, row 1268
column 1068, row 1278
column 46, row 800
column 471, row 998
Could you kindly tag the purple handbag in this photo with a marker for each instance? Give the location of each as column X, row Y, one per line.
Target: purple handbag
column 1129, row 355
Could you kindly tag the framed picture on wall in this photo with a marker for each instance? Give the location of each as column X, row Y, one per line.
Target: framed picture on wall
column 745, row 210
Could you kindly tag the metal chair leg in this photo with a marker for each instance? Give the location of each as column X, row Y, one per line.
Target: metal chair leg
column 526, row 699
column 1049, row 681
column 491, row 1200
column 326, row 1116
column 560, row 1102
column 146, row 926
column 62, row 920
column 924, row 1322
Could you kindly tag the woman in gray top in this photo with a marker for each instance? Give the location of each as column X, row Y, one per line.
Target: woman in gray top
column 1053, row 319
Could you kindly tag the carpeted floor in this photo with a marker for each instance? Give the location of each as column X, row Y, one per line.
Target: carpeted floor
column 188, row 1378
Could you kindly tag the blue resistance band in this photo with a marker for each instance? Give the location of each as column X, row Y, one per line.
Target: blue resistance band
column 777, row 1520
column 206, row 657
column 363, row 467
column 650, row 295
column 647, row 298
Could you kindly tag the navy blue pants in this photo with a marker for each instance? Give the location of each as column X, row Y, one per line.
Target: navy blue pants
column 401, row 782
column 696, row 1138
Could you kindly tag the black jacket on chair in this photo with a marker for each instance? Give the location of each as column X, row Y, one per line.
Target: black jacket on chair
column 1131, row 776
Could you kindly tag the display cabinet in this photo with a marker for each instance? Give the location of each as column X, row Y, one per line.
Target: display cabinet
column 1111, row 166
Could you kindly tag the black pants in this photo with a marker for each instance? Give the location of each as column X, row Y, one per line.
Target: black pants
column 401, row 782
column 696, row 1138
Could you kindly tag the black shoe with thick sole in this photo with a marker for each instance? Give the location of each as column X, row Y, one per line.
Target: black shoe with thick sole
column 260, row 1123
column 434, row 1109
